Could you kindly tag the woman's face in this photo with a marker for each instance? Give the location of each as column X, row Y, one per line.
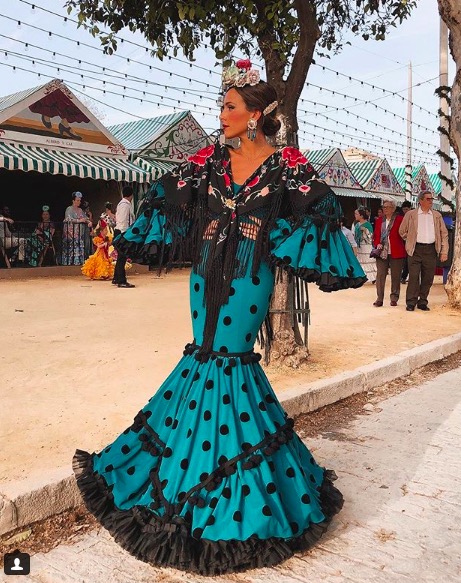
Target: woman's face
column 357, row 215
column 234, row 115
column 45, row 216
column 77, row 201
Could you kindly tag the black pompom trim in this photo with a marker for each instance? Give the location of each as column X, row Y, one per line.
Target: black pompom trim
column 171, row 544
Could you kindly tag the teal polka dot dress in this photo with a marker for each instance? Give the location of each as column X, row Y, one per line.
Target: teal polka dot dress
column 211, row 477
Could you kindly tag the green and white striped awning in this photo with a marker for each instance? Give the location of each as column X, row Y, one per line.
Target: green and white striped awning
column 364, row 170
column 319, row 158
column 155, row 168
column 436, row 183
column 34, row 158
column 353, row 192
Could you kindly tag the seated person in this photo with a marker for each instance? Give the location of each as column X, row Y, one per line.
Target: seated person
column 41, row 238
column 8, row 239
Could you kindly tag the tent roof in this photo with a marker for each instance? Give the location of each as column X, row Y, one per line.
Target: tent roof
column 70, row 163
column 400, row 173
column 436, row 183
column 365, row 169
column 9, row 100
column 319, row 157
column 136, row 135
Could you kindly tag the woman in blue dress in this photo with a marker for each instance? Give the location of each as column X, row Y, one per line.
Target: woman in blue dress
column 210, row 477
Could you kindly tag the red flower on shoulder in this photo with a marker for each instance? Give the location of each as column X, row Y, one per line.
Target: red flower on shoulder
column 202, row 155
column 227, row 180
column 253, row 182
column 293, row 157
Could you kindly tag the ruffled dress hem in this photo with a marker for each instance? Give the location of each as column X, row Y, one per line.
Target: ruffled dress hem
column 170, row 544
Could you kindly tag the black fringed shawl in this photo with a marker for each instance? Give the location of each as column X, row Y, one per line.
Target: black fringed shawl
column 199, row 193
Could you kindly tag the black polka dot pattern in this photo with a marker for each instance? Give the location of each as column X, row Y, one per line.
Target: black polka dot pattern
column 125, row 449
column 253, row 309
column 227, row 321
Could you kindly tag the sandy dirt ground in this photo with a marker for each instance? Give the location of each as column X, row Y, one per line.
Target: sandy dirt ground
column 80, row 358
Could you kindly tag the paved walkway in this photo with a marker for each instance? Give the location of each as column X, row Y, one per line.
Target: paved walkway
column 400, row 471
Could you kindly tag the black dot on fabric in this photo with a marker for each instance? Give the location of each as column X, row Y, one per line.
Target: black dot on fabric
column 196, row 287
column 184, row 464
column 175, row 424
column 246, row 446
column 167, row 452
column 237, row 516
column 287, row 259
column 317, row 261
column 244, row 388
column 164, row 484
column 245, row 490
column 224, row 430
column 271, row 488
column 248, row 337
column 147, row 213
column 222, row 460
column 184, row 373
column 107, row 450
column 181, row 496
column 305, row 499
column 167, row 395
column 189, row 432
column 285, row 231
column 195, row 314
column 244, row 417
column 207, row 415
column 232, row 291
column 192, row 405
column 271, row 466
column 206, row 445
column 312, row 479
column 228, row 370
column 227, row 321
column 224, row 349
column 269, row 399
column 203, row 476
column 209, row 384
column 253, row 309
column 135, row 231
column 226, row 400
column 130, row 471
column 197, row 532
column 219, row 363
column 125, row 449
column 255, row 280
column 290, row 473
column 213, row 503
column 168, row 421
column 211, row 520
column 267, row 511
column 188, row 517
column 226, row 493
column 294, row 527
column 323, row 244
column 333, row 269
column 262, row 406
column 309, row 238
column 109, row 468
column 126, row 432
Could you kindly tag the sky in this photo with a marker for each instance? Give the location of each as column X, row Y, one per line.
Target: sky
column 133, row 85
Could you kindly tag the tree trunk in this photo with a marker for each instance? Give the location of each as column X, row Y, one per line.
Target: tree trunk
column 285, row 351
column 450, row 11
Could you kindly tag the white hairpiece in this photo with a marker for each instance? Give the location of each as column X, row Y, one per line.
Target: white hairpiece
column 270, row 107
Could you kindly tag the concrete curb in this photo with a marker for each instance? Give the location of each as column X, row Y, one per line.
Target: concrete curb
column 25, row 502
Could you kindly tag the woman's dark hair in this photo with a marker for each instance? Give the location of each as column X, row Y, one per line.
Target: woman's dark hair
column 363, row 213
column 108, row 205
column 257, row 98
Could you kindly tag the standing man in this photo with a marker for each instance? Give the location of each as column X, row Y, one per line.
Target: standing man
column 387, row 238
column 124, row 218
column 426, row 238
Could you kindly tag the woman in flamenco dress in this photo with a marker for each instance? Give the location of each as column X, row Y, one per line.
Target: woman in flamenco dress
column 210, row 477
column 99, row 265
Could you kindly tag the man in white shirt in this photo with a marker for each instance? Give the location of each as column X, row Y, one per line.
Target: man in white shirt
column 426, row 238
column 124, row 218
column 349, row 236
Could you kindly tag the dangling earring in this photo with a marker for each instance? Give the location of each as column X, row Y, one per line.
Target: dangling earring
column 251, row 131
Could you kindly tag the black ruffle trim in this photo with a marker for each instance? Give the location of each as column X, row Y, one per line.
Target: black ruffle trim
column 326, row 281
column 171, row 544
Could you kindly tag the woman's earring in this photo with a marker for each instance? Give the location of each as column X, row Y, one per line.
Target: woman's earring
column 251, row 131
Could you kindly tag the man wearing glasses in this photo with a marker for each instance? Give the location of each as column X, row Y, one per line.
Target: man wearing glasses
column 426, row 238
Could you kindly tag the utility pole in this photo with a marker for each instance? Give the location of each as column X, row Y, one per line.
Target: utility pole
column 445, row 169
column 408, row 167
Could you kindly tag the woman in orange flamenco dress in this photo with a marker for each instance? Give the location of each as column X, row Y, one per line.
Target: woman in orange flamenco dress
column 99, row 265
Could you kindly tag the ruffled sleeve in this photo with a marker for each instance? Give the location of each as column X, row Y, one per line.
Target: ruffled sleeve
column 307, row 241
column 164, row 228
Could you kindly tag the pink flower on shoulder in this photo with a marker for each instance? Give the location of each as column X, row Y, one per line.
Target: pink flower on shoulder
column 202, row 156
column 181, row 184
column 304, row 188
column 293, row 157
column 264, row 191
